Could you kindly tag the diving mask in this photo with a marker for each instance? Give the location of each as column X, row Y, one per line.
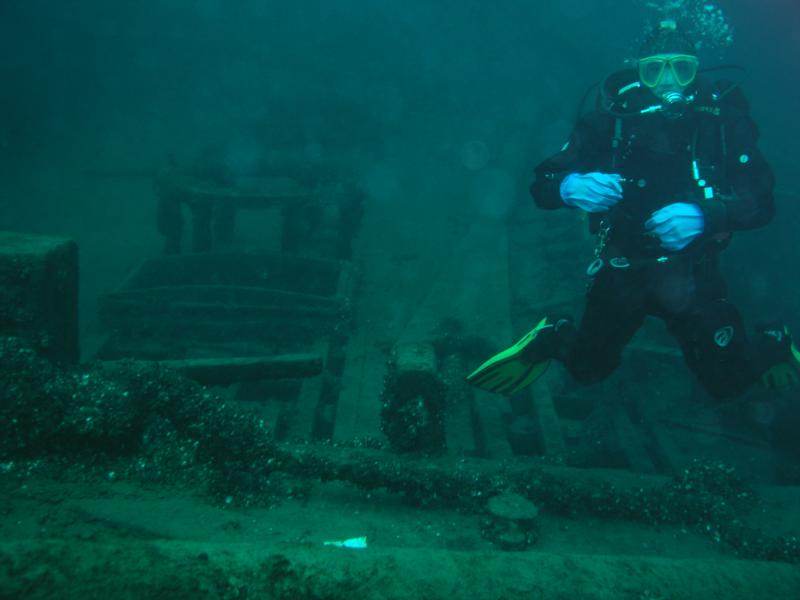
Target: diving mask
column 653, row 68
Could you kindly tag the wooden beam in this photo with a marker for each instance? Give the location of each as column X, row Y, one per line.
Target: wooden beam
column 225, row 371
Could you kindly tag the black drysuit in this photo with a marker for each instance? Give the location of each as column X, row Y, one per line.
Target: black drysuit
column 709, row 157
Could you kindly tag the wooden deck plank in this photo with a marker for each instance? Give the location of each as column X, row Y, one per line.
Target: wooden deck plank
column 301, row 414
column 359, row 404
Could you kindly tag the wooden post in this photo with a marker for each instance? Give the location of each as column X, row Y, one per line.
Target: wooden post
column 414, row 400
column 39, row 293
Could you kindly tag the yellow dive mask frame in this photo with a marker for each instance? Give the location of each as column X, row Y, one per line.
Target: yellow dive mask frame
column 652, row 69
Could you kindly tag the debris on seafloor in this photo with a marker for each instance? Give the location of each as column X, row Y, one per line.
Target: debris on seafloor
column 511, row 522
column 356, row 543
column 148, row 423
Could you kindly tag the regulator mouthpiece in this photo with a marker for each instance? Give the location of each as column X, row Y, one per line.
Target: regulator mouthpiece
column 674, row 104
column 673, row 97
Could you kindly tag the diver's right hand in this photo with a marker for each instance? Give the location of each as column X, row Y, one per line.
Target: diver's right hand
column 591, row 192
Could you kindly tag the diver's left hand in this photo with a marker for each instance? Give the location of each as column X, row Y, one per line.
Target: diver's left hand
column 676, row 225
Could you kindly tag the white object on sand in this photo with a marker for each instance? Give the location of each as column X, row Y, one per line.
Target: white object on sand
column 358, row 542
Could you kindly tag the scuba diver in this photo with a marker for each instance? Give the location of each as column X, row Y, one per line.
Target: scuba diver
column 667, row 168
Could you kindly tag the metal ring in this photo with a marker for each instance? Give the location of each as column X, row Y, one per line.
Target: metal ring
column 594, row 267
column 619, row 262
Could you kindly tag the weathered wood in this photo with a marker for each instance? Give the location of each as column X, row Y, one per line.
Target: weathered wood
column 39, row 293
column 544, row 411
column 415, row 275
column 670, row 456
column 297, row 274
column 225, row 371
column 412, row 415
column 131, row 314
column 160, row 340
column 194, row 190
column 416, row 358
column 390, row 283
column 472, row 288
column 345, row 288
column 261, row 399
column 458, row 423
column 359, row 403
column 631, row 443
column 183, row 299
column 214, row 294
column 490, row 414
column 313, row 230
column 229, row 439
column 301, row 414
column 546, row 255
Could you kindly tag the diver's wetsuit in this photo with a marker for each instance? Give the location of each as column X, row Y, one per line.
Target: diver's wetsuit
column 707, row 156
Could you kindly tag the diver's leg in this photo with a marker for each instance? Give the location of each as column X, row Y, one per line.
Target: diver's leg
column 614, row 312
column 716, row 349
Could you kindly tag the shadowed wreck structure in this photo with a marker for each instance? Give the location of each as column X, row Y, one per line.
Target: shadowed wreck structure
column 256, row 250
column 226, row 474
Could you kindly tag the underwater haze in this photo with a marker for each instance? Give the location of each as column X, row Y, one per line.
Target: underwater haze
column 381, row 152
column 398, row 86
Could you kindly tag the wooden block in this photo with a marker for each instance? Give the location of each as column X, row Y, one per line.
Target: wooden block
column 415, row 357
column 414, row 399
column 39, row 293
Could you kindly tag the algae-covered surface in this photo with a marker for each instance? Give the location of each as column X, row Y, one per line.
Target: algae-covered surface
column 89, row 539
column 133, row 481
column 128, row 480
column 137, row 483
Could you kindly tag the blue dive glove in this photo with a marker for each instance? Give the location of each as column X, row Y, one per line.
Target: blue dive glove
column 676, row 225
column 591, row 192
